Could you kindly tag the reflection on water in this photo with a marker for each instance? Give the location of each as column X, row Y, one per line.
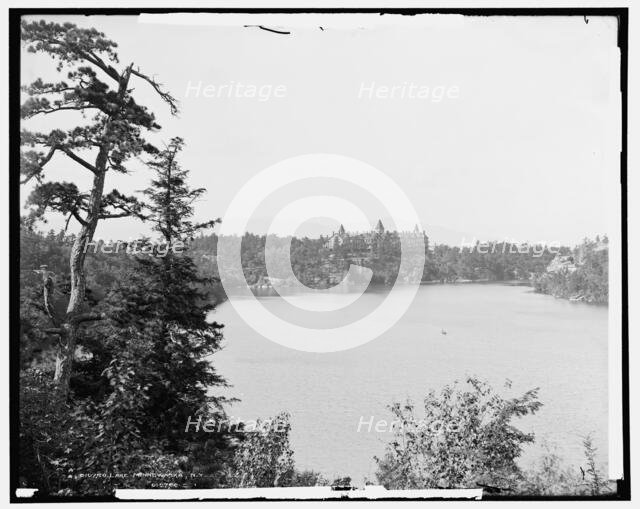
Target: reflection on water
column 496, row 332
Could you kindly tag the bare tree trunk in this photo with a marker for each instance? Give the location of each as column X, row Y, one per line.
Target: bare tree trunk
column 73, row 318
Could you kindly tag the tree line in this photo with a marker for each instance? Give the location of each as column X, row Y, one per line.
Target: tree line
column 318, row 267
column 583, row 275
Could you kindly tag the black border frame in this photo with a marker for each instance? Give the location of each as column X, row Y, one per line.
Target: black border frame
column 622, row 15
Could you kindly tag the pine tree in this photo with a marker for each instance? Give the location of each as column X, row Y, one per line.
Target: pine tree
column 163, row 304
column 148, row 372
column 110, row 131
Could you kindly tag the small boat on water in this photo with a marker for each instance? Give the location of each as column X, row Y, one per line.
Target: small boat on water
column 443, row 332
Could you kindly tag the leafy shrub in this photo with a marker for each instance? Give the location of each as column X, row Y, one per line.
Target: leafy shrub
column 465, row 439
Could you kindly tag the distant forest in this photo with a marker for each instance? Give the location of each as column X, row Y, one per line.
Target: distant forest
column 579, row 273
column 582, row 274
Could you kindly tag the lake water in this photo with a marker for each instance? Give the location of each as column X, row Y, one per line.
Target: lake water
column 495, row 332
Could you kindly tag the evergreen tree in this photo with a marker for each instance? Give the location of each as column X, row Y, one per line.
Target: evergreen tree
column 149, row 370
column 115, row 132
column 164, row 303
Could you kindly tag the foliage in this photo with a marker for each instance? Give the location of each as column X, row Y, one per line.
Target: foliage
column 109, row 130
column 596, row 481
column 317, row 267
column 490, row 261
column 80, row 448
column 465, row 439
column 157, row 340
column 585, row 280
column 264, row 458
column 101, row 93
column 550, row 477
column 143, row 371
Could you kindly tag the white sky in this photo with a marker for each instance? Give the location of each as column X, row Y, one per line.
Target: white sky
column 529, row 150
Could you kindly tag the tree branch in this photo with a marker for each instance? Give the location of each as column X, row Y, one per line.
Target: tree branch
column 40, row 164
column 47, row 293
column 78, row 218
column 97, row 61
column 166, row 96
column 61, row 108
column 116, row 216
column 87, row 317
column 79, row 160
column 29, row 177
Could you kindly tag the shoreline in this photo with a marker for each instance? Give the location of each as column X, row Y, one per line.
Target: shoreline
column 507, row 282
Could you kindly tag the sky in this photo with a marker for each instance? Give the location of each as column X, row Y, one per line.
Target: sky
column 522, row 145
